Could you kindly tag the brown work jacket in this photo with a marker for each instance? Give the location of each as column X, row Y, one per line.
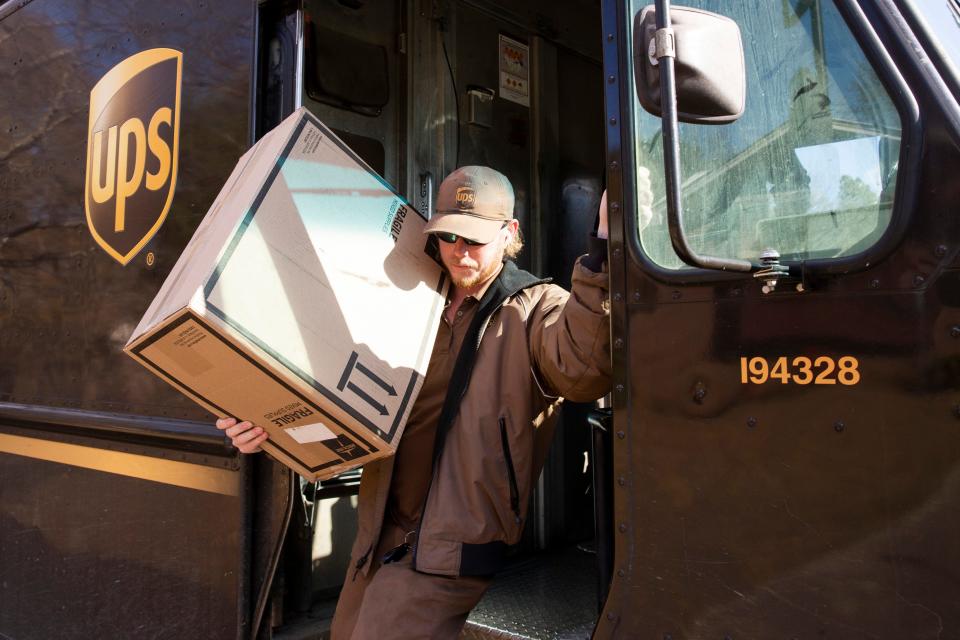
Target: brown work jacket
column 538, row 345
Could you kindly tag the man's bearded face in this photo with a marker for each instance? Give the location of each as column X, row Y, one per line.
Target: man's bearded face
column 470, row 266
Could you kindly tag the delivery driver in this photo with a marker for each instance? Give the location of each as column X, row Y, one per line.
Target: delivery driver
column 436, row 518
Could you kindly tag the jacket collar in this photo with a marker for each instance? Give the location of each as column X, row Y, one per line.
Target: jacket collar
column 510, row 281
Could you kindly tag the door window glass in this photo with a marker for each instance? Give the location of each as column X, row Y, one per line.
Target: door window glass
column 942, row 19
column 809, row 169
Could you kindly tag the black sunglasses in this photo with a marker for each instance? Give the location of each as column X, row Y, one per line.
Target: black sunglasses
column 451, row 238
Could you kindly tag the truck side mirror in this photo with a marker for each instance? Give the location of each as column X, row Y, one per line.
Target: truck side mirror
column 711, row 75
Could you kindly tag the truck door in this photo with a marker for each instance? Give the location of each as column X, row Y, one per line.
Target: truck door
column 787, row 455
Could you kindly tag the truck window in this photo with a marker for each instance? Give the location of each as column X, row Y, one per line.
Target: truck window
column 810, row 169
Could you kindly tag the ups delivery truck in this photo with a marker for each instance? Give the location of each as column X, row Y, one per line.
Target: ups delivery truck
column 779, row 456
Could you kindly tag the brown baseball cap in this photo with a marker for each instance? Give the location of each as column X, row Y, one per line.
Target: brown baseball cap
column 473, row 202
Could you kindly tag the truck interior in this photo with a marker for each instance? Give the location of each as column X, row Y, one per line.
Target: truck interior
column 416, row 89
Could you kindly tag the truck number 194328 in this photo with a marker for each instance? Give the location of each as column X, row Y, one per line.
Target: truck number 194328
column 800, row 370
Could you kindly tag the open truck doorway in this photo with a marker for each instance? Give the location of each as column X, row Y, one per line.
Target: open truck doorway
column 417, row 89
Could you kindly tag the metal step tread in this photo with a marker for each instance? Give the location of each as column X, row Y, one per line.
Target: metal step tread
column 551, row 596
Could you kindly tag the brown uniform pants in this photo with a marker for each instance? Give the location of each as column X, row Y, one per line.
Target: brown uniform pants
column 394, row 601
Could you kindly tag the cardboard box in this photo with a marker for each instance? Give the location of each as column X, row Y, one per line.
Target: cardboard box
column 305, row 303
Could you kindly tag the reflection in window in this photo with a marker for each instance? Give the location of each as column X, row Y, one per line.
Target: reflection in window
column 810, row 167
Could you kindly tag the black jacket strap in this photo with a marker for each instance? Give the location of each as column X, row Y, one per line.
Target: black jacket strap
column 510, row 281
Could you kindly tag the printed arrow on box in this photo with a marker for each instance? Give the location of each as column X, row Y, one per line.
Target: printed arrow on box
column 353, row 363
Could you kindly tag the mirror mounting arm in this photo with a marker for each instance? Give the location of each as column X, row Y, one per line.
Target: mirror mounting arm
column 662, row 45
column 671, row 152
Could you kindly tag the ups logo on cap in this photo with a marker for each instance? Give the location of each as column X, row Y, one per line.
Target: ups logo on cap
column 132, row 144
column 466, row 197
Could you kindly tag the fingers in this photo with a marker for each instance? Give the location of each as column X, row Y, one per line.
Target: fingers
column 239, row 429
column 603, row 225
column 644, row 186
column 644, row 194
column 250, row 441
column 245, row 436
column 254, row 447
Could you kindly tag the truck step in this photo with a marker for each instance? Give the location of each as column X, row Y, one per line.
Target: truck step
column 551, row 596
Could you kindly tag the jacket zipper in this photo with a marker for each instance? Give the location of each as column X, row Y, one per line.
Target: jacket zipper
column 511, row 473
column 361, row 562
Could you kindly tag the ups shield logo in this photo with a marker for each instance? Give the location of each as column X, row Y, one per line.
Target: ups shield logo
column 466, row 197
column 132, row 144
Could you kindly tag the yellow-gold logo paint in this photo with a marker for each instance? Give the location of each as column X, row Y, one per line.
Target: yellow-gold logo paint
column 466, row 197
column 132, row 146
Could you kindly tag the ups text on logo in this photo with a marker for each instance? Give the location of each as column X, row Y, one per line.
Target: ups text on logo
column 132, row 144
column 466, row 197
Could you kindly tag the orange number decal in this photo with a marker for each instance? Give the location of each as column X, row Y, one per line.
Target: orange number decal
column 779, row 370
column 849, row 370
column 828, row 366
column 804, row 374
column 800, row 370
column 759, row 370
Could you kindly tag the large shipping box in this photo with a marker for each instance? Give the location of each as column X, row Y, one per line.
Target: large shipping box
column 305, row 302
